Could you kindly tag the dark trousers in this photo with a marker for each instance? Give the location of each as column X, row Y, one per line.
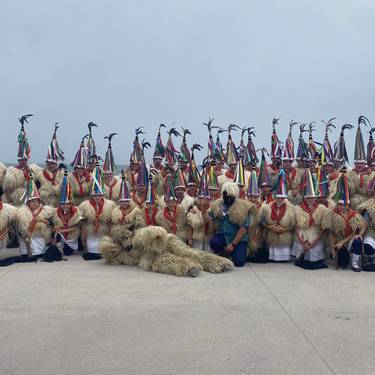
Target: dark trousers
column 357, row 248
column 238, row 255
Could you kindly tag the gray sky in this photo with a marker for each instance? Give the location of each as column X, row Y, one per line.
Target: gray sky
column 124, row 64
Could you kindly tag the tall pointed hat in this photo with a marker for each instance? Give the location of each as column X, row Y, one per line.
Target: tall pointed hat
column 91, row 146
column 327, row 152
column 184, row 149
column 250, row 146
column 151, row 197
column 179, row 179
column 359, row 149
column 31, row 191
column 203, row 183
column 169, row 193
column 239, row 177
column 302, row 149
column 80, row 159
column 280, row 189
column 231, row 154
column 322, row 182
column 159, row 151
column 289, row 143
column 342, row 192
column 109, row 166
column 264, row 178
column 243, row 152
column 124, row 193
column 66, row 191
column 142, row 175
column 340, row 147
column 275, row 143
column 219, row 149
column 212, row 178
column 194, row 176
column 252, row 186
column 55, row 153
column 97, row 185
column 24, row 150
column 170, row 150
column 211, row 144
column 371, row 148
column 308, row 184
column 311, row 145
column 135, row 156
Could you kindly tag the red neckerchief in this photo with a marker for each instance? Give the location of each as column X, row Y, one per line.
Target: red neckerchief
column 361, row 175
column 291, row 176
column 137, row 201
column 171, row 218
column 274, row 167
column 267, row 198
column 277, row 213
column 65, row 218
column 124, row 214
column 47, row 176
column 1, row 205
column 33, row 222
column 98, row 208
column 347, row 217
column 26, row 172
column 193, row 196
column 111, row 186
column 132, row 178
column 81, row 190
column 150, row 220
column 229, row 174
column 242, row 194
column 309, row 211
column 333, row 175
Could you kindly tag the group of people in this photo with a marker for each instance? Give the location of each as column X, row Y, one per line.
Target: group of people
column 305, row 204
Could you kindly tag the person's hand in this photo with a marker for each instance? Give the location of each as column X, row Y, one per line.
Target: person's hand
column 338, row 245
column 357, row 237
column 306, row 246
column 229, row 248
column 190, row 242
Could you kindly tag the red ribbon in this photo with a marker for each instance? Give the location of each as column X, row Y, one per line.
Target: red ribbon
column 277, row 213
column 347, row 217
column 98, row 208
column 150, row 220
column 309, row 210
column 229, row 174
column 1, row 205
column 171, row 217
column 33, row 222
column 65, row 218
column 111, row 186
column 81, row 191
column 291, row 176
column 52, row 179
column 137, row 201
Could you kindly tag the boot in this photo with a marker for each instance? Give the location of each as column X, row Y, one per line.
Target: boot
column 355, row 263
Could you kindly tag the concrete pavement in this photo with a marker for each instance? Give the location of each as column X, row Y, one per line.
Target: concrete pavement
column 80, row 317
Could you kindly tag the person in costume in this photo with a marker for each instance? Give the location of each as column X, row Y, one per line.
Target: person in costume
column 92, row 156
column 135, row 161
column 67, row 219
column 213, row 185
column 264, row 180
column 173, row 216
column 157, row 168
column 231, row 158
column 310, row 228
column 111, row 182
column 359, row 176
column 33, row 223
column 278, row 220
column 97, row 212
column 140, row 194
column 233, row 216
column 50, row 177
column 193, row 175
column 16, row 178
column 239, row 178
column 151, row 208
column 347, row 226
column 80, row 179
column 7, row 219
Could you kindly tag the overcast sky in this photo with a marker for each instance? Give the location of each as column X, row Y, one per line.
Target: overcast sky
column 130, row 63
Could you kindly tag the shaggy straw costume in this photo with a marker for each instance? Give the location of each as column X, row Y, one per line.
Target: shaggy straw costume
column 133, row 219
column 14, row 183
column 28, row 227
column 7, row 217
column 173, row 221
column 3, row 169
column 256, row 233
column 49, row 190
column 113, row 189
column 153, row 249
column 81, row 187
column 279, row 243
column 367, row 210
column 358, row 187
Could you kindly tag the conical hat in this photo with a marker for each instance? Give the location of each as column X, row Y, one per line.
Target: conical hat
column 109, row 166
column 24, row 150
column 55, row 154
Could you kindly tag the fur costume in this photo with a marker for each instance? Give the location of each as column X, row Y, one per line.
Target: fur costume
column 24, row 218
column 7, row 217
column 49, row 190
column 112, row 192
column 153, row 249
column 14, row 184
column 90, row 226
column 74, row 221
column 256, row 233
column 358, row 187
column 134, row 219
column 131, row 177
column 369, row 207
column 181, row 227
column 3, row 169
column 81, row 189
column 287, row 221
column 294, row 178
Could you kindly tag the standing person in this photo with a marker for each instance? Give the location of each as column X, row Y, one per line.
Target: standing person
column 233, row 217
column 139, row 195
column 309, row 237
column 264, row 181
column 67, row 219
column 278, row 220
column 50, row 177
column 151, row 208
column 16, row 179
column 32, row 223
column 97, row 212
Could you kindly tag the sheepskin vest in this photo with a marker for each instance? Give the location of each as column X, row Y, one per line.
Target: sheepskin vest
column 256, row 233
column 26, row 225
column 3, row 169
column 131, row 178
column 49, row 190
column 342, row 226
column 310, row 223
column 7, row 217
column 181, row 228
column 287, row 221
column 369, row 207
column 133, row 219
column 71, row 221
column 238, row 212
column 81, row 188
column 358, row 181
column 14, row 183
column 97, row 221
column 112, row 190
column 201, row 231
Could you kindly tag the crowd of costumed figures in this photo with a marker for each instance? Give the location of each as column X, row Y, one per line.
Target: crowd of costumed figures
column 241, row 204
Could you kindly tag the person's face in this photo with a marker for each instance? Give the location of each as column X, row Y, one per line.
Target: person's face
column 91, row 165
column 279, row 201
column 22, row 163
column 253, row 198
column 360, row 166
column 124, row 204
column 276, row 161
column 141, row 189
column 51, row 166
column 372, row 167
column 171, row 204
column 182, row 165
column 300, row 163
column 192, row 190
column 157, row 162
column 328, row 168
column 134, row 166
column 321, row 200
column 180, row 191
column 340, row 207
column 79, row 171
column 337, row 164
column 266, row 189
column 287, row 164
column 232, row 168
column 97, row 198
column 212, row 193
column 65, row 207
column 310, row 201
column 108, row 178
column 33, row 204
